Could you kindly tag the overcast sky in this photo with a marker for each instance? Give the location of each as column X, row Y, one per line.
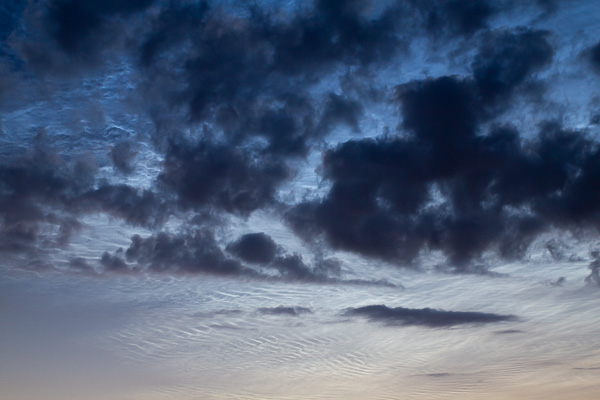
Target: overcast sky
column 328, row 199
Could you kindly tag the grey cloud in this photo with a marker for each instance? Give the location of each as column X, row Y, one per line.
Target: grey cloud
column 428, row 317
column 593, row 55
column 75, row 24
column 221, row 177
column 507, row 59
column 380, row 202
column 122, row 156
column 241, row 98
column 283, row 310
column 196, row 252
column 594, row 277
column 455, row 17
column 259, row 248
column 254, row 248
column 35, row 189
column 112, row 262
column 133, row 205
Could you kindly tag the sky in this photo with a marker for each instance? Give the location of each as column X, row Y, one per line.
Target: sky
column 328, row 199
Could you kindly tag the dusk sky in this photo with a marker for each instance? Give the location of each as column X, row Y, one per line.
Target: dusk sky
column 328, row 199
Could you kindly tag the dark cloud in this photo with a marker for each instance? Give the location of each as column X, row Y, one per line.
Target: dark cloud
column 74, row 24
column 337, row 31
column 448, row 185
column 133, row 205
column 122, row 156
column 339, row 110
column 250, row 74
column 327, row 266
column 35, row 189
column 235, row 62
column 507, row 59
column 292, row 267
column 221, row 177
column 256, row 248
column 548, row 5
column 440, row 112
column 10, row 13
column 282, row 310
column 455, row 16
column 113, row 262
column 463, row 193
column 41, row 189
column 240, row 95
column 170, row 28
column 260, row 248
column 428, row 317
column 469, row 16
column 593, row 54
column 285, row 126
column 197, row 252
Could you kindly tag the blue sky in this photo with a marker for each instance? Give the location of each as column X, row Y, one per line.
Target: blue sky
column 320, row 199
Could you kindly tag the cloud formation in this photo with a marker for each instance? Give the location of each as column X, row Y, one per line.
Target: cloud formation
column 593, row 54
column 283, row 310
column 428, row 317
column 236, row 101
column 197, row 252
column 256, row 248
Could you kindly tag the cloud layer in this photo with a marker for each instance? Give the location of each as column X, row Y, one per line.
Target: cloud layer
column 235, row 101
column 428, row 317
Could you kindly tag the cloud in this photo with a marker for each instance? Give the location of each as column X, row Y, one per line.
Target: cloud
column 242, row 96
column 221, row 63
column 507, row 59
column 42, row 191
column 196, row 252
column 9, row 18
column 453, row 179
column 122, row 157
column 133, row 205
column 455, row 16
column 256, row 248
column 593, row 55
column 111, row 263
column 282, row 310
column 260, row 249
column 594, row 277
column 74, row 24
column 392, row 197
column 428, row 317
column 221, row 177
column 35, row 190
column 340, row 110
